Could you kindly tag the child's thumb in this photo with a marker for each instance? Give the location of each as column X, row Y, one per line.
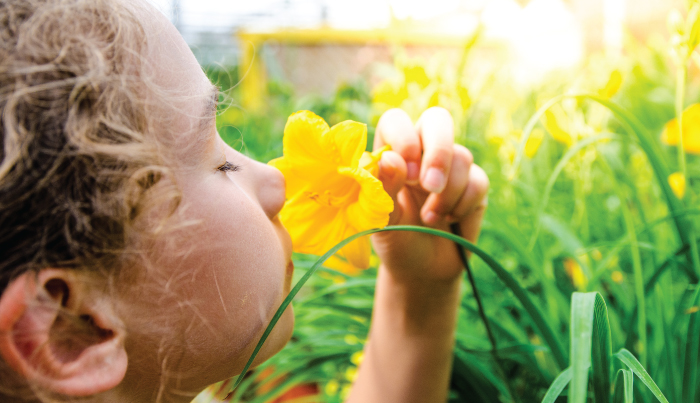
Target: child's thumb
column 392, row 174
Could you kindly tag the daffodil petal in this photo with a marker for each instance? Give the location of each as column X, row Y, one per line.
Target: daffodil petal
column 346, row 141
column 304, row 144
column 357, row 252
column 691, row 130
column 303, row 137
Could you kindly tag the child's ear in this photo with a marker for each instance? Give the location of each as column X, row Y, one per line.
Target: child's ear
column 58, row 330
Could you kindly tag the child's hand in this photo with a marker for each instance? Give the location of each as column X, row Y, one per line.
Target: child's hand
column 433, row 183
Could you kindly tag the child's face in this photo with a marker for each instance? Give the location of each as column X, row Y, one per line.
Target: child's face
column 216, row 284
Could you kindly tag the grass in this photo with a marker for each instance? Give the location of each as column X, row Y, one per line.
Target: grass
column 585, row 249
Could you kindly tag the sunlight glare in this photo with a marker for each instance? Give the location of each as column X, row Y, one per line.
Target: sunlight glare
column 544, row 35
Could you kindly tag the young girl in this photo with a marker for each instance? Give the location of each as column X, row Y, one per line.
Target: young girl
column 141, row 257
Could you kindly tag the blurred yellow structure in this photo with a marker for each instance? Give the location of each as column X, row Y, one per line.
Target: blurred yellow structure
column 316, row 60
column 365, row 45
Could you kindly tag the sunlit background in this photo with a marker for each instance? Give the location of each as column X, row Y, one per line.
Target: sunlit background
column 541, row 35
column 570, row 106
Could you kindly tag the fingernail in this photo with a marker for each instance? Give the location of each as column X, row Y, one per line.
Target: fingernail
column 412, row 172
column 434, row 180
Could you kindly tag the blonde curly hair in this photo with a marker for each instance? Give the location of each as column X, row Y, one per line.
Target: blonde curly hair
column 79, row 161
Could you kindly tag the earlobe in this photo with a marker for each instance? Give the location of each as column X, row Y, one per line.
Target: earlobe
column 60, row 335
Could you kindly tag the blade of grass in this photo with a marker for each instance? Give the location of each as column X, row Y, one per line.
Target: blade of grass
column 601, row 351
column 669, row 345
column 558, row 386
column 582, row 311
column 624, row 387
column 590, row 343
column 631, row 361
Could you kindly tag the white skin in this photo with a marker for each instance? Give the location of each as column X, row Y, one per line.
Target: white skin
column 198, row 313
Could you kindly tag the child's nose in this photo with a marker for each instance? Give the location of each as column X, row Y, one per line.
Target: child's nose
column 271, row 190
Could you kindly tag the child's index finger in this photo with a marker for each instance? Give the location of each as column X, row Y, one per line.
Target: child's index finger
column 396, row 129
column 436, row 130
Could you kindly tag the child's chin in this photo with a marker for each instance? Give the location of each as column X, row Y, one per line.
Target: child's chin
column 278, row 338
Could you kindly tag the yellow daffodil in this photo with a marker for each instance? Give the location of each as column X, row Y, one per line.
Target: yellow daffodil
column 612, row 86
column 575, row 273
column 533, row 142
column 677, row 182
column 416, row 74
column 465, row 101
column 691, row 130
column 389, row 93
column 331, row 191
column 554, row 128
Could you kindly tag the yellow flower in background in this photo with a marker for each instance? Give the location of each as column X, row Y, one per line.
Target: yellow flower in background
column 533, row 142
column 575, row 273
column 677, row 182
column 416, row 74
column 357, row 357
column 691, row 130
column 330, row 194
column 612, row 86
column 465, row 101
column 617, row 277
column 554, row 128
column 389, row 93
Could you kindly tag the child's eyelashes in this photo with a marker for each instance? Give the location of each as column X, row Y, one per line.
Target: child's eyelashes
column 229, row 167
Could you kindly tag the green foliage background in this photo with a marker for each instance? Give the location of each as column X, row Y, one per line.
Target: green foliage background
column 591, row 222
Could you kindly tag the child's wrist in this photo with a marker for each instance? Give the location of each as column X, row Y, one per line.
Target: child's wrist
column 419, row 301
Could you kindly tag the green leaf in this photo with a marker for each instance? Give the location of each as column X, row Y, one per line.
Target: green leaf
column 582, row 313
column 631, row 361
column 602, row 351
column 558, row 386
column 624, row 383
column 590, row 344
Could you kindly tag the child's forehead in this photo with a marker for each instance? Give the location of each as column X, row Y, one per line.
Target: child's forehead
column 186, row 114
